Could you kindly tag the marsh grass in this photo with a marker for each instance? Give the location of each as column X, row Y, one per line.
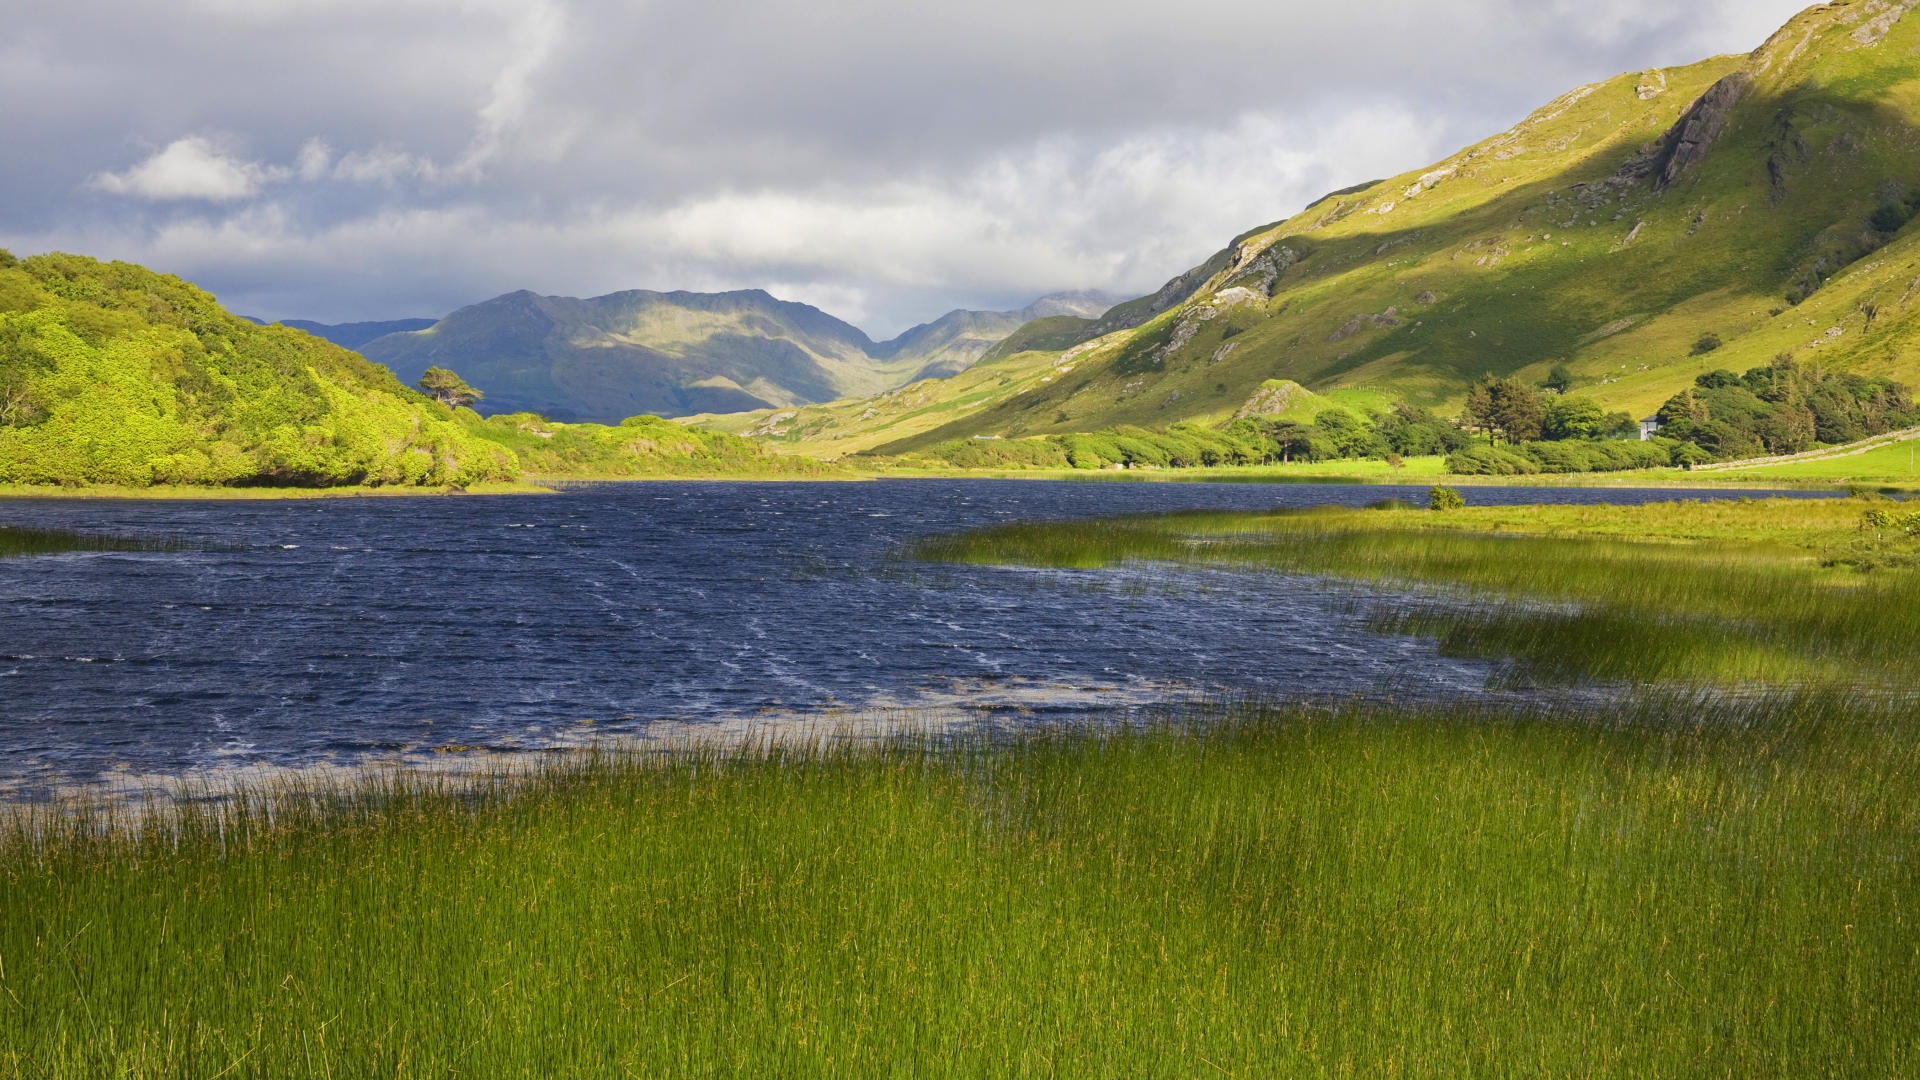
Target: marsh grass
column 17, row 541
column 1722, row 592
column 1689, row 886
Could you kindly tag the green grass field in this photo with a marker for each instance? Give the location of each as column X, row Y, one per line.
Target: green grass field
column 1688, row 888
column 1892, row 464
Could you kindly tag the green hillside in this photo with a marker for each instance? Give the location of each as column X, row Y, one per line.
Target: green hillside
column 113, row 374
column 1763, row 200
column 114, row 377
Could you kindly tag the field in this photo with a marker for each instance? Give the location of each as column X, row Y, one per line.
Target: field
column 1684, row 875
column 1886, row 464
column 1678, row 889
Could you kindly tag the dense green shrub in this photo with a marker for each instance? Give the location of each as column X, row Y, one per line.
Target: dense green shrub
column 1412, row 431
column 112, row 374
column 1490, row 461
column 1567, row 456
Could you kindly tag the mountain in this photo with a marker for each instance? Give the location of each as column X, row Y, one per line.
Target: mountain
column 355, row 334
column 957, row 340
column 1640, row 231
column 681, row 353
column 113, row 374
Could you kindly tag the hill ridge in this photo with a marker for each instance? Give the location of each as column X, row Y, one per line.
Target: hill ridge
column 681, row 352
column 1756, row 199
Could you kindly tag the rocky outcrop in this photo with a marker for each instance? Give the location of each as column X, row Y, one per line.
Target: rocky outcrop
column 1686, row 144
column 1881, row 15
column 1272, row 399
column 1264, row 270
column 1385, row 320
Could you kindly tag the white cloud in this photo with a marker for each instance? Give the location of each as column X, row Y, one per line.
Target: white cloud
column 316, row 157
column 541, row 30
column 190, row 168
column 1057, row 214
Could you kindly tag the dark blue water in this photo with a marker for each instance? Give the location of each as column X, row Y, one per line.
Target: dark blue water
column 336, row 629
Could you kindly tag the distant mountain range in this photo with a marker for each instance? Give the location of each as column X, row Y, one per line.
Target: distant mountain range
column 355, row 334
column 678, row 353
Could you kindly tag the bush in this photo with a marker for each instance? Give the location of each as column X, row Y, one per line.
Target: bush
column 1490, row 461
column 1441, row 497
column 1890, row 218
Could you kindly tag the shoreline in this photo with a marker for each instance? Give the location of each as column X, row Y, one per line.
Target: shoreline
column 186, row 492
column 554, row 485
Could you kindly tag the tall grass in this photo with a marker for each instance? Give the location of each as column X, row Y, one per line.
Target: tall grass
column 18, row 540
column 1692, row 887
column 1726, row 593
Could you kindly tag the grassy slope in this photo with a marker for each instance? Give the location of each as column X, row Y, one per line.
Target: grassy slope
column 112, row 374
column 1517, row 254
column 640, row 447
column 851, row 426
column 1893, row 462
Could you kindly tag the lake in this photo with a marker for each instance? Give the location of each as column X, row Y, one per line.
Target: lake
column 339, row 630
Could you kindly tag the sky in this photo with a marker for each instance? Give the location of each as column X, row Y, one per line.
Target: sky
column 347, row 160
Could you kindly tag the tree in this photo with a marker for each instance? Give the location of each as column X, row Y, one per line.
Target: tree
column 1559, row 380
column 448, row 389
column 1292, row 441
column 1343, row 435
column 1506, row 408
column 1574, row 418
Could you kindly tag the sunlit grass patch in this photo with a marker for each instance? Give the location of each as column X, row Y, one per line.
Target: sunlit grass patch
column 1739, row 591
column 1667, row 887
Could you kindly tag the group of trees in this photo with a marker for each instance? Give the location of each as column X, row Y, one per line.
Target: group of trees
column 1333, row 434
column 1783, row 408
column 1510, row 410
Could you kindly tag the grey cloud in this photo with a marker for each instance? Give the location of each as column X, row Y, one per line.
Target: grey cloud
column 359, row 159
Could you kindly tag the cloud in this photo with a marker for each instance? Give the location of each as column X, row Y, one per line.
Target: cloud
column 378, row 158
column 189, row 168
column 1056, row 214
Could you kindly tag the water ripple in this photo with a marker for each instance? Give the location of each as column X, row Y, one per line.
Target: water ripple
column 318, row 633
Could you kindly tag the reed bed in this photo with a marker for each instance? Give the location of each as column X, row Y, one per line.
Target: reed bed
column 20, row 540
column 1688, row 886
column 1769, row 592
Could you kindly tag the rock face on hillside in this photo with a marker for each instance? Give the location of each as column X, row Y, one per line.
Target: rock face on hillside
column 1687, row 144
